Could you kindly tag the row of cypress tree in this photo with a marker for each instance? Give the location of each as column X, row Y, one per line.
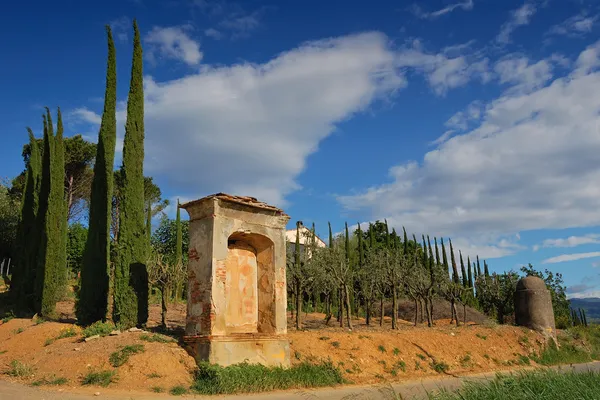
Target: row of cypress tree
column 40, row 279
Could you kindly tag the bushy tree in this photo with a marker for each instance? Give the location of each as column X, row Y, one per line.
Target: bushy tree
column 76, row 239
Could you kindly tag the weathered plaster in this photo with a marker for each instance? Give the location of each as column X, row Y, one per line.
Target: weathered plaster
column 237, row 298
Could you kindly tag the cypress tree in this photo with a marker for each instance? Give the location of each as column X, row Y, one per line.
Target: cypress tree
column 431, row 259
column 425, row 257
column 455, row 278
column 437, row 252
column 52, row 274
column 361, row 255
column 445, row 259
column 23, row 277
column 131, row 278
column 387, row 234
column 330, row 236
column 585, row 323
column 479, row 271
column 486, row 270
column 470, row 272
column 347, row 244
column 371, row 237
column 405, row 242
column 478, row 267
column 463, row 271
column 92, row 304
column 178, row 236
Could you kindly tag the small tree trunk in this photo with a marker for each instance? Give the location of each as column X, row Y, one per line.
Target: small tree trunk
column 381, row 310
column 368, row 311
column 431, row 311
column 416, row 311
column 455, row 312
column 451, row 311
column 421, row 310
column 341, row 311
column 348, row 309
column 163, row 298
column 340, row 305
column 394, row 307
column 428, row 313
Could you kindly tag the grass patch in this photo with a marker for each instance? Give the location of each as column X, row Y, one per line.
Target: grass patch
column 421, row 356
column 396, row 351
column 99, row 328
column 480, row 336
column 155, row 337
column 523, row 360
column 381, row 348
column 8, row 317
column 250, row 378
column 53, row 381
column 465, row 362
column 401, row 365
column 335, row 344
column 178, row 390
column 157, row 389
column 100, row 378
column 19, row 369
column 324, row 338
column 154, row 375
column 17, row 331
column 530, row 385
column 3, row 352
column 121, row 356
column 439, row 366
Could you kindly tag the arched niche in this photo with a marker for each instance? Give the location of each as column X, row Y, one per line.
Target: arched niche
column 249, row 284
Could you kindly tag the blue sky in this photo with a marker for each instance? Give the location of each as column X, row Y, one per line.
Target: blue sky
column 471, row 119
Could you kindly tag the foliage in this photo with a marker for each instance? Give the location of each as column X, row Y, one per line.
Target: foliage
column 99, row 378
column 76, row 238
column 9, row 222
column 93, row 296
column 530, row 385
column 576, row 345
column 155, row 337
column 130, row 305
column 121, row 356
column 51, row 274
column 252, row 378
column 99, row 328
column 555, row 283
column 497, row 292
column 178, row 390
column 19, row 369
column 29, row 232
column 53, row 381
column 164, row 239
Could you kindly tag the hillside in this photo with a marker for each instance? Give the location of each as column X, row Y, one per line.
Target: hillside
column 591, row 306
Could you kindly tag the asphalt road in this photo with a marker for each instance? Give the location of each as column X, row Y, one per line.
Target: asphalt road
column 408, row 390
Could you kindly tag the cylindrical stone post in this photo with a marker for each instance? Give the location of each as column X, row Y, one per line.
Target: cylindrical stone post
column 533, row 306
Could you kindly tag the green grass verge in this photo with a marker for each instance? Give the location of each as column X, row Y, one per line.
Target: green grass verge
column 251, row 378
column 99, row 328
column 532, row 385
column 121, row 356
column 99, row 378
column 576, row 345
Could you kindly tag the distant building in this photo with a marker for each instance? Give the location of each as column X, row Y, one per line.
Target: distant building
column 305, row 236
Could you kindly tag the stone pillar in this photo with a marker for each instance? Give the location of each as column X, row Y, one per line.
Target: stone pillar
column 236, row 308
column 533, row 306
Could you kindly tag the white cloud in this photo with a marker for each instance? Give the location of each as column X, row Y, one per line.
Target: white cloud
column 570, row 257
column 443, row 72
column 173, row 43
column 519, row 17
column 571, row 241
column 521, row 75
column 466, row 5
column 247, row 129
column 588, row 60
column 530, row 164
column 213, row 33
column 84, row 115
column 120, row 28
column 575, row 26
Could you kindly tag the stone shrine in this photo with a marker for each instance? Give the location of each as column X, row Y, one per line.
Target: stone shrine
column 237, row 299
column 533, row 306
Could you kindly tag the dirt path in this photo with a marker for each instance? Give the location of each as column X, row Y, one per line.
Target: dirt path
column 416, row 389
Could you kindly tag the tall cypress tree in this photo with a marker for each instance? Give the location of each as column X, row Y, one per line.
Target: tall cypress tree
column 445, row 259
column 437, row 252
column 92, row 304
column 405, row 241
column 52, row 274
column 470, row 272
column 361, row 254
column 371, row 237
column 463, row 271
column 131, row 278
column 478, row 267
column 347, row 244
column 486, row 269
column 330, row 236
column 455, row 278
column 23, row 277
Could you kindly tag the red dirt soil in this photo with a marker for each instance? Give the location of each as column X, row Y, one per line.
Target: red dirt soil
column 365, row 355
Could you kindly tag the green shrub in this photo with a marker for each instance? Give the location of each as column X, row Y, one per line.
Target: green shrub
column 178, row 390
column 381, row 348
column 17, row 331
column 121, row 356
column 54, row 381
column 439, row 366
column 19, row 369
column 99, row 328
column 157, row 389
column 248, row 378
column 335, row 344
column 8, row 317
column 396, row 351
column 100, row 378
